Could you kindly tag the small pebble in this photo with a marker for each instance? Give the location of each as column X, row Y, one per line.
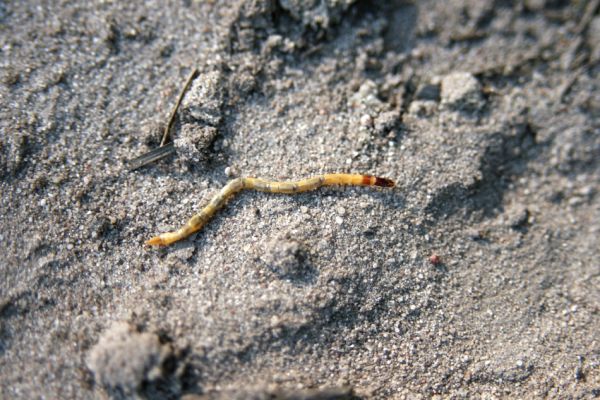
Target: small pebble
column 366, row 120
column 461, row 90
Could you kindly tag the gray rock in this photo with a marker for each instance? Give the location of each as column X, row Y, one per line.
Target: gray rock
column 461, row 90
column 367, row 97
column 194, row 140
column 385, row 121
column 316, row 13
column 204, row 100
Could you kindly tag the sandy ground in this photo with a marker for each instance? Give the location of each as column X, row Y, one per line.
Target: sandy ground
column 476, row 277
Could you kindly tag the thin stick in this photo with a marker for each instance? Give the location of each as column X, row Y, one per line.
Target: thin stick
column 199, row 220
column 566, row 86
column 588, row 15
column 165, row 149
column 151, row 156
column 165, row 137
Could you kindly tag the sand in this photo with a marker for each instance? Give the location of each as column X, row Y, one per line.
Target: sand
column 477, row 276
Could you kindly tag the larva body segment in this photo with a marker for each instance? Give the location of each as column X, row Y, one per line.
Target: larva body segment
column 218, row 201
column 284, row 187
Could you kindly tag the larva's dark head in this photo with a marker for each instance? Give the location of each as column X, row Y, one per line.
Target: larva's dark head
column 384, row 182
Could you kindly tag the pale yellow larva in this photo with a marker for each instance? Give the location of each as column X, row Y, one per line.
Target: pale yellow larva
column 218, row 201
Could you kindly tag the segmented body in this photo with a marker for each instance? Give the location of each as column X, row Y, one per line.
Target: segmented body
column 218, row 201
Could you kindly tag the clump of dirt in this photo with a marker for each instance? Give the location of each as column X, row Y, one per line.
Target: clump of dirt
column 128, row 362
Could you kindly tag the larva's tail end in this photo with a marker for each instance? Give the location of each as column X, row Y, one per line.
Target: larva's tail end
column 165, row 239
column 156, row 241
column 384, row 182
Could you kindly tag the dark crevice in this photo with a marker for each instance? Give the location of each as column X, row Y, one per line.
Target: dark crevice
column 504, row 159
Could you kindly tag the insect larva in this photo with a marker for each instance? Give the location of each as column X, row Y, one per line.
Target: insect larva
column 199, row 220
